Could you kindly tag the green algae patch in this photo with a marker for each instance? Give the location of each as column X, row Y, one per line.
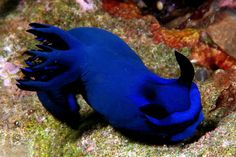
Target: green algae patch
column 51, row 138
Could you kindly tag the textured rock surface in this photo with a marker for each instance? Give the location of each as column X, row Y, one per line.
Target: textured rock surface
column 7, row 5
column 27, row 130
column 223, row 32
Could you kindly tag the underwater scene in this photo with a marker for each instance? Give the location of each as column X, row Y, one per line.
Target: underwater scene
column 118, row 78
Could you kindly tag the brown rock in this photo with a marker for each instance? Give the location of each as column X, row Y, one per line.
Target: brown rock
column 227, row 99
column 7, row 5
column 223, row 79
column 223, row 32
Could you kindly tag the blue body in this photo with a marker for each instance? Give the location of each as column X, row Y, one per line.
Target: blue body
column 113, row 80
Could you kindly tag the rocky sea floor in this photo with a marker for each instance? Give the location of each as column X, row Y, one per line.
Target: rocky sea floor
column 28, row 130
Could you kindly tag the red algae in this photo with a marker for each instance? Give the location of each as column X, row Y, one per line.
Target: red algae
column 117, row 8
column 175, row 38
column 212, row 58
column 204, row 54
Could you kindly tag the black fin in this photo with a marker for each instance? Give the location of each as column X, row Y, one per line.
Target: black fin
column 186, row 67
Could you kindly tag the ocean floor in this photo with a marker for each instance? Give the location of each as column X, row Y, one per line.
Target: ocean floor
column 28, row 130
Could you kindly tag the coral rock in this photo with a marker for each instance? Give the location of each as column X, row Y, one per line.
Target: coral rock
column 223, row 79
column 227, row 99
column 203, row 53
column 213, row 58
column 223, row 32
column 126, row 10
column 175, row 38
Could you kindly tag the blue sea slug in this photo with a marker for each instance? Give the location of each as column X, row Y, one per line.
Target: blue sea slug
column 114, row 82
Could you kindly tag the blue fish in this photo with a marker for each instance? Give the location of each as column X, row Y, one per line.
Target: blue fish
column 114, row 82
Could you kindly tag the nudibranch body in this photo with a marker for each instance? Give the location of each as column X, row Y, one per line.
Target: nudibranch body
column 114, row 82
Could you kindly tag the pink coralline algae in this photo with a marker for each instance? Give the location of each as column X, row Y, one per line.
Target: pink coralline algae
column 227, row 3
column 7, row 71
column 85, row 5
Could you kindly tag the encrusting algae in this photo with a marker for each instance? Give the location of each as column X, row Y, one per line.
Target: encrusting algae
column 28, row 130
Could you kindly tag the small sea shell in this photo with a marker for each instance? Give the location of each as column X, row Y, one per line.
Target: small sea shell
column 160, row 5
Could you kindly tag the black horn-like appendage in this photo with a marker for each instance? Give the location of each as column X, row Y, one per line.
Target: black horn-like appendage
column 186, row 68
